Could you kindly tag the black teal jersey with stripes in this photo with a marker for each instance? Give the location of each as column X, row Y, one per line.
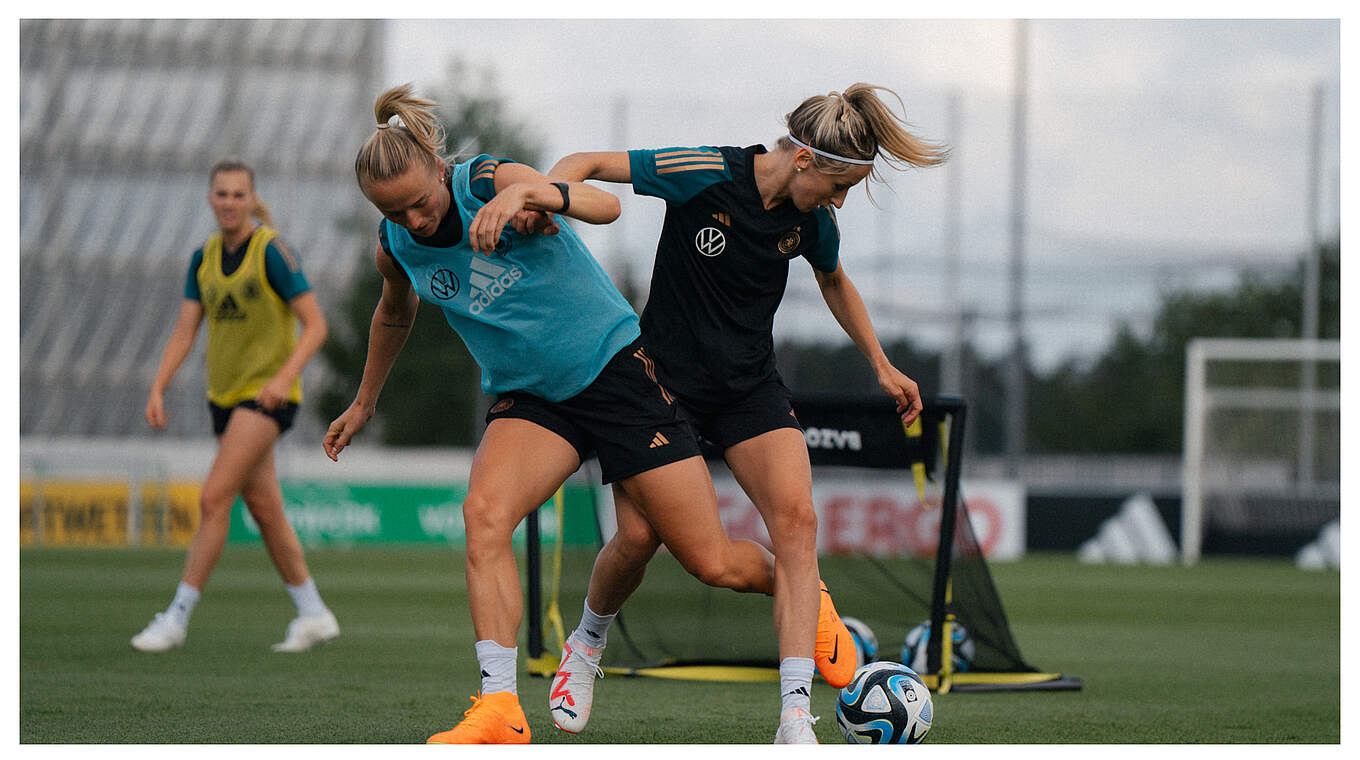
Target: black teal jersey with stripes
column 721, row 267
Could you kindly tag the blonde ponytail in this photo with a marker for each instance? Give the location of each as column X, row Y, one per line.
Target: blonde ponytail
column 261, row 212
column 857, row 124
column 394, row 148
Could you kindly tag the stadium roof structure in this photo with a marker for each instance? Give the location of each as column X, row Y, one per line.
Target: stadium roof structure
column 120, row 121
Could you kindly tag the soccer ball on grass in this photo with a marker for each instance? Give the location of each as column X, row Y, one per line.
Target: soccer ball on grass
column 961, row 644
column 884, row 703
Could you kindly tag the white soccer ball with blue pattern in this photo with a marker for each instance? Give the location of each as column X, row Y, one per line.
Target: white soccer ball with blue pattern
column 866, row 643
column 962, row 646
column 885, row 703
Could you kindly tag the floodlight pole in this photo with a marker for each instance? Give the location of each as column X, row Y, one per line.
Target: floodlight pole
column 1015, row 381
column 952, row 375
column 1312, row 285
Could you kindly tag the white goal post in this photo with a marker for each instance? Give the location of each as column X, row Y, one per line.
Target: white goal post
column 1256, row 434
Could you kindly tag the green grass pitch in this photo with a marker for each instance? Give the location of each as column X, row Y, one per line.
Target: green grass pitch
column 1230, row 651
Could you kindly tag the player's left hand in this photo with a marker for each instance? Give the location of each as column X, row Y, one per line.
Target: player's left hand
column 530, row 222
column 274, row 394
column 343, row 429
column 903, row 390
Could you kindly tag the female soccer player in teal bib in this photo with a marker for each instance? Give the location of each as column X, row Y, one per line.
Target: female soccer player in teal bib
column 249, row 286
column 735, row 219
column 558, row 346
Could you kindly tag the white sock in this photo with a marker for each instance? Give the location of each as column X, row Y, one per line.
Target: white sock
column 499, row 665
column 795, row 683
column 594, row 628
column 307, row 598
column 182, row 606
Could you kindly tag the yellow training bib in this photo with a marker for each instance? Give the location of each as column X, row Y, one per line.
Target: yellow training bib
column 251, row 330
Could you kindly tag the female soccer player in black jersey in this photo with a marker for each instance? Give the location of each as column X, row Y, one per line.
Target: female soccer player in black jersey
column 735, row 218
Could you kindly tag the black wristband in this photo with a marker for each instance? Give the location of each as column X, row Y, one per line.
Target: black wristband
column 566, row 199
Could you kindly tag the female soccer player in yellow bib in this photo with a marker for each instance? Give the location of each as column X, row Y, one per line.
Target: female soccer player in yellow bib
column 251, row 289
column 735, row 219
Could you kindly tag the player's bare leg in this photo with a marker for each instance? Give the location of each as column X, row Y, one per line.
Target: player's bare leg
column 679, row 502
column 315, row 623
column 240, row 448
column 774, row 471
column 248, row 438
column 622, row 562
column 674, row 504
column 517, row 467
column 619, row 568
column 264, row 499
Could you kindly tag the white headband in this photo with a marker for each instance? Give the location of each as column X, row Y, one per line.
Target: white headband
column 832, row 156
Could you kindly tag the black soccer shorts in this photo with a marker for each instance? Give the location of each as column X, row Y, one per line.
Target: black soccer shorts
column 282, row 414
column 625, row 417
column 767, row 407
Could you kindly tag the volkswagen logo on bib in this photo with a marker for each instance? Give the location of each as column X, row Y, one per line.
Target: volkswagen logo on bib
column 444, row 284
column 710, row 241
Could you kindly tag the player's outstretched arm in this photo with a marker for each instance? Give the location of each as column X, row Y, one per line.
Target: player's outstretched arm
column 608, row 166
column 387, row 333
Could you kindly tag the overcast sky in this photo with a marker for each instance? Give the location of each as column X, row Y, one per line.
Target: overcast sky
column 1160, row 153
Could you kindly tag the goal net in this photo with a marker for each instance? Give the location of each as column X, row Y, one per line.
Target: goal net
column 896, row 549
column 1262, row 452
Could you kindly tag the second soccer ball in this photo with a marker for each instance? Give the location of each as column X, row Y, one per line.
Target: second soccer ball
column 917, row 639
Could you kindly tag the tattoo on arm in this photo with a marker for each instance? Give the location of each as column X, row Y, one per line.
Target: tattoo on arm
column 399, row 325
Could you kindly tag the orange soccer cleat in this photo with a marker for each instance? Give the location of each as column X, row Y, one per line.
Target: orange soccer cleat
column 493, row 719
column 835, row 653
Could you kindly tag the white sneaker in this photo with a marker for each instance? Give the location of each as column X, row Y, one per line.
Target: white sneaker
column 306, row 631
column 162, row 633
column 795, row 727
column 573, row 686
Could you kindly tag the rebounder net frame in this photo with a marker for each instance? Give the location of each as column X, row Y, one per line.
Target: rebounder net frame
column 675, row 627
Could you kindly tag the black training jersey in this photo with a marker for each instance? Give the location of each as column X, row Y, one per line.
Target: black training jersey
column 721, row 266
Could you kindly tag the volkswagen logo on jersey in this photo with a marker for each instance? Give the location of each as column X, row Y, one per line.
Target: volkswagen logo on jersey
column 710, row 241
column 444, row 284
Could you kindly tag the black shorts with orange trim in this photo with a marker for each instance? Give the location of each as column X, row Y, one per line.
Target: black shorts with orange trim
column 625, row 417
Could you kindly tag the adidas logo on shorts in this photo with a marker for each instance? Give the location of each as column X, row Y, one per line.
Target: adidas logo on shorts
column 658, row 440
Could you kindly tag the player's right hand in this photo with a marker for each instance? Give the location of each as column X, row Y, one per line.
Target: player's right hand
column 155, row 411
column 344, row 428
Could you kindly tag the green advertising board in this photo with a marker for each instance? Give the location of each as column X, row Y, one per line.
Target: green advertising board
column 339, row 513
